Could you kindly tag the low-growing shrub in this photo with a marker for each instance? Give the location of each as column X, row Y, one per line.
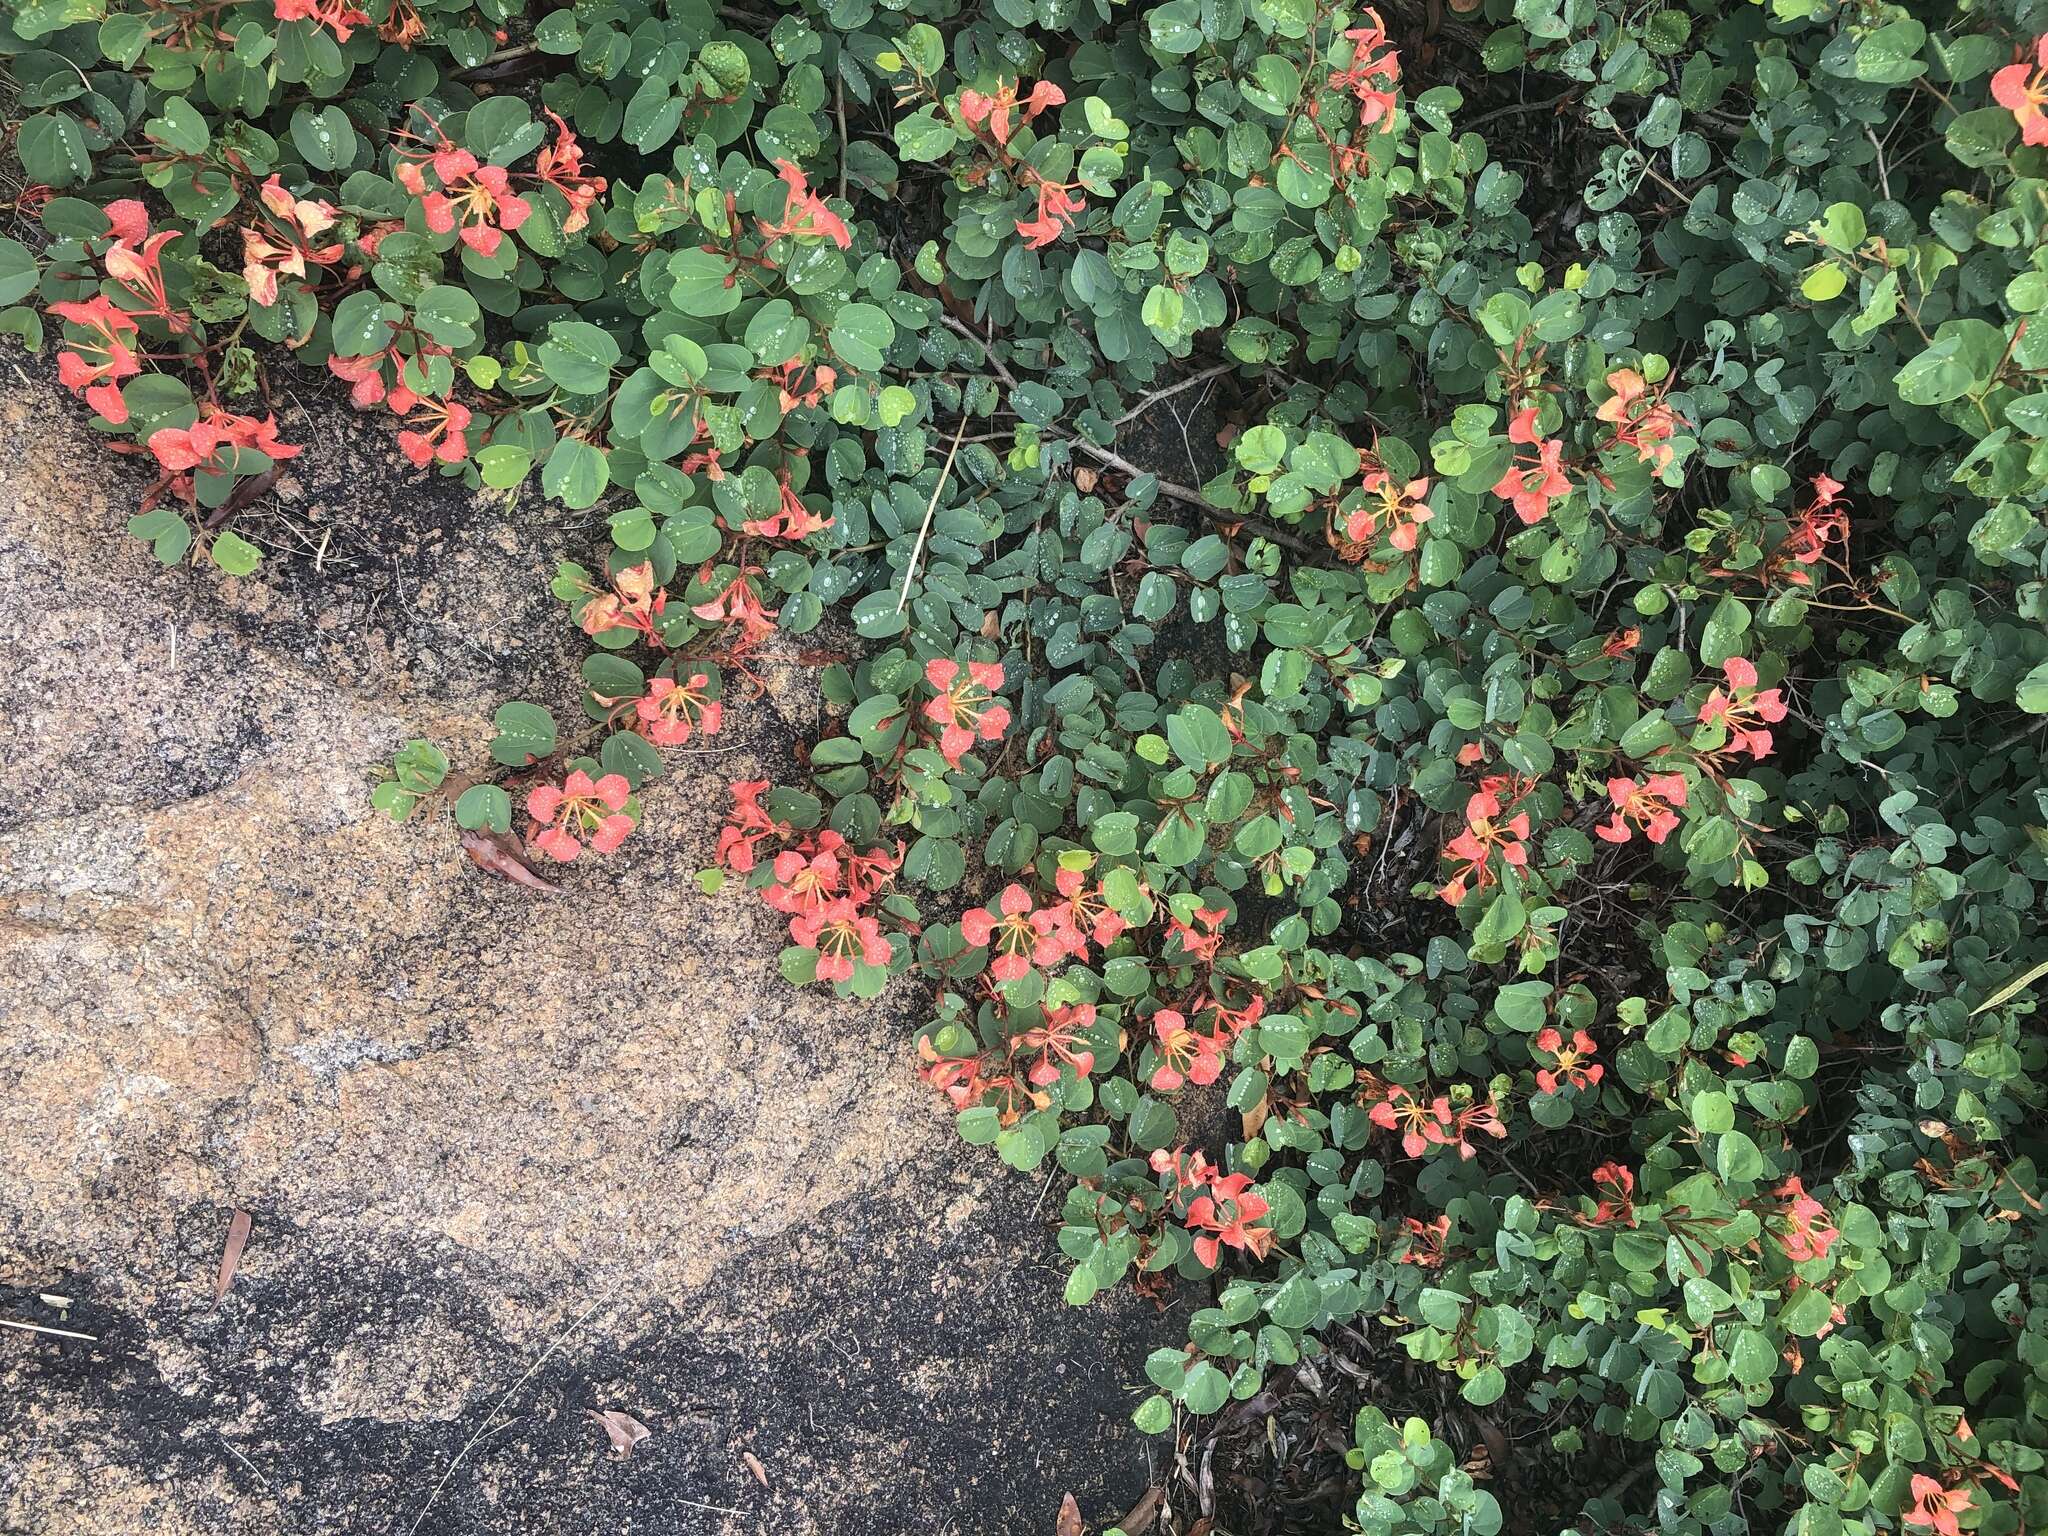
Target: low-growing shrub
column 1567, row 782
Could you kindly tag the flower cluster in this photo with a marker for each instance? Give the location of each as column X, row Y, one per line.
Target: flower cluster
column 1641, row 420
column 1804, row 1230
column 285, row 240
column 804, row 215
column 1372, row 75
column 633, row 604
column 1495, row 828
column 1221, row 1210
column 965, row 708
column 1651, row 804
column 1531, row 485
column 1742, row 710
column 1434, row 1121
column 473, row 201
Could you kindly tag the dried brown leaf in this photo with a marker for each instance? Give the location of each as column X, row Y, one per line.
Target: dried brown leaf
column 1143, row 1513
column 754, row 1466
column 1069, row 1522
column 497, row 853
column 622, row 1429
column 231, row 1255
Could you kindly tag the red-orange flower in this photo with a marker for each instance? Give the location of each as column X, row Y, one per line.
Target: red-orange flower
column 1617, row 1187
column 995, row 111
column 93, row 364
column 2022, row 89
column 966, row 709
column 1641, row 420
column 1806, row 1233
column 1648, row 805
column 1493, row 826
column 841, row 933
column 580, row 807
column 1936, row 1506
column 338, row 16
column 284, row 243
column 1397, row 510
column 560, row 165
column 1019, row 936
column 1570, row 1062
column 1744, row 709
column 805, row 216
column 1531, row 486
column 475, row 200
column 1057, row 207
column 670, row 710
column 1224, row 1218
column 445, row 437
column 180, row 449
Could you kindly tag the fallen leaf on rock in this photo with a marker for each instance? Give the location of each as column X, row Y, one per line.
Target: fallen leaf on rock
column 622, row 1429
column 1069, row 1522
column 497, row 853
column 231, row 1255
column 754, row 1466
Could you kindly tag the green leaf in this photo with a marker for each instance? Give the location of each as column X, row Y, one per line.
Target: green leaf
column 484, row 807
column 526, row 732
column 578, row 356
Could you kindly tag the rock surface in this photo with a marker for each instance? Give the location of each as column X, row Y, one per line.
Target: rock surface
column 509, row 1157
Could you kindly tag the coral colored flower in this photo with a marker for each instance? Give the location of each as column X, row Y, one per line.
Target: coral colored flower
column 2022, row 89
column 805, row 216
column 1494, row 827
column 1621, row 642
column 285, row 242
column 1185, row 1055
column 1398, row 512
column 634, row 603
column 1057, row 207
column 1374, row 71
column 92, row 366
column 747, row 825
column 139, row 273
column 841, row 933
column 1617, row 1187
column 1808, row 535
column 338, row 16
column 669, row 710
column 737, row 604
column 793, row 392
column 1224, row 1218
column 1199, row 939
column 366, row 381
column 966, row 709
column 1533, row 486
column 476, row 201
column 1934, row 1505
column 1744, row 709
column 995, row 111
column 179, row 449
column 1060, row 1041
column 1422, row 1124
column 1085, row 911
column 1474, row 1117
column 581, row 807
column 127, row 219
column 1641, row 420
column 1426, row 1241
column 791, row 520
column 560, row 165
column 1017, row 941
column 445, row 437
column 1189, row 1170
column 1648, row 805
column 809, row 876
column 1570, row 1062
column 1808, row 1233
